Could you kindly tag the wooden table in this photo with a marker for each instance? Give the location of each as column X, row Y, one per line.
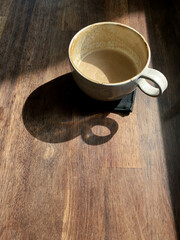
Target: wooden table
column 71, row 171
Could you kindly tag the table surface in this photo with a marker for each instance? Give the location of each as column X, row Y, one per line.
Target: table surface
column 71, row 171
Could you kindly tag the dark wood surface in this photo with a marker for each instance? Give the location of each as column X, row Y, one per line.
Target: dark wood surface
column 69, row 170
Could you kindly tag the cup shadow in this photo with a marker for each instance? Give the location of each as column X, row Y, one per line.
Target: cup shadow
column 59, row 111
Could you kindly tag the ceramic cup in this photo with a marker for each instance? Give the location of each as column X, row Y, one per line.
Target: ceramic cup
column 111, row 35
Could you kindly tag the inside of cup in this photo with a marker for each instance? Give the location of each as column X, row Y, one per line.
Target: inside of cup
column 109, row 36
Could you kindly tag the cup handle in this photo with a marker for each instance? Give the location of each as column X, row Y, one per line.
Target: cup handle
column 155, row 76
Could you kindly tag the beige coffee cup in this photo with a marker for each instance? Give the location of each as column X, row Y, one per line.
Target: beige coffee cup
column 115, row 36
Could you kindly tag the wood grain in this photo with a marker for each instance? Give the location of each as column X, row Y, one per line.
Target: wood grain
column 71, row 169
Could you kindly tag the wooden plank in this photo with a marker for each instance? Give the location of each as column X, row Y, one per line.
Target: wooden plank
column 69, row 170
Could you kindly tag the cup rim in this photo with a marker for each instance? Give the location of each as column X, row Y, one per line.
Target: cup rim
column 116, row 83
